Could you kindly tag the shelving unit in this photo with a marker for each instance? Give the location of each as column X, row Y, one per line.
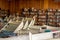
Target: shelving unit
column 29, row 12
column 41, row 17
column 58, row 17
column 51, row 20
column 49, row 17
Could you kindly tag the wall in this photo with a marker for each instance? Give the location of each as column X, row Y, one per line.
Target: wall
column 46, row 3
column 38, row 4
column 17, row 5
column 31, row 3
column 53, row 4
column 12, row 6
column 4, row 4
